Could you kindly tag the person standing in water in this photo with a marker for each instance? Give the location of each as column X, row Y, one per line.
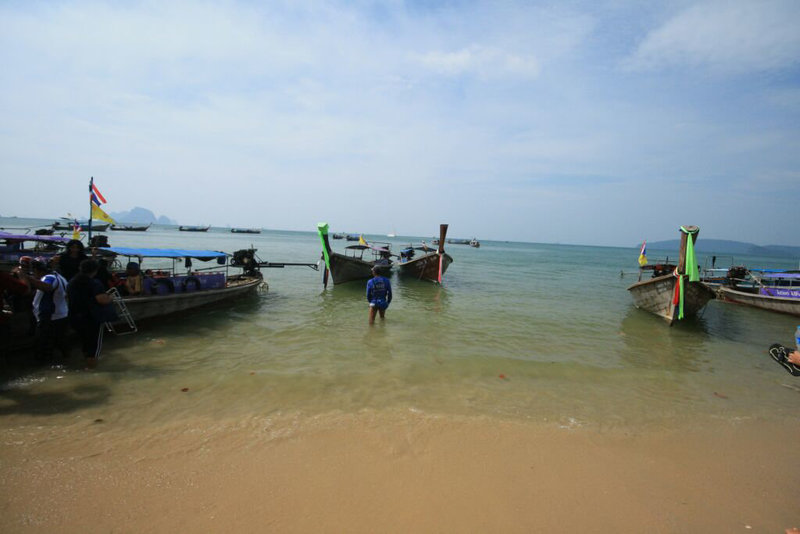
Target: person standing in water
column 379, row 294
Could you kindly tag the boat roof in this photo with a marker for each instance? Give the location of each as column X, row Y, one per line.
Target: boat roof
column 365, row 247
column 203, row 255
column 33, row 237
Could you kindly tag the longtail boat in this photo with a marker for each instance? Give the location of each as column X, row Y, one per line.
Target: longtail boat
column 130, row 227
column 166, row 291
column 430, row 265
column 67, row 225
column 15, row 246
column 678, row 294
column 777, row 291
column 351, row 265
column 194, row 228
column 245, row 230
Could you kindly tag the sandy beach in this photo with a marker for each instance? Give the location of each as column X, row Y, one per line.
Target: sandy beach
column 397, row 472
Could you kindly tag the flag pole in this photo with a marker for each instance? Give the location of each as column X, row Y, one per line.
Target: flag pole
column 91, row 183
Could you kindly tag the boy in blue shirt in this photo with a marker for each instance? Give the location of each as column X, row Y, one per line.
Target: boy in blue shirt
column 379, row 294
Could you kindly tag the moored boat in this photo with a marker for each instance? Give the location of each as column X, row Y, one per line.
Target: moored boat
column 351, row 265
column 68, row 225
column 194, row 228
column 15, row 246
column 245, row 230
column 777, row 291
column 678, row 294
column 425, row 263
column 130, row 227
column 166, row 291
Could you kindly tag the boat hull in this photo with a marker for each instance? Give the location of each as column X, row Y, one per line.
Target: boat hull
column 125, row 228
column 425, row 267
column 147, row 307
column 657, row 295
column 347, row 269
column 786, row 305
column 68, row 227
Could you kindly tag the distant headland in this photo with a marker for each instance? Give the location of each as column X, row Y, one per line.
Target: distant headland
column 140, row 215
column 723, row 246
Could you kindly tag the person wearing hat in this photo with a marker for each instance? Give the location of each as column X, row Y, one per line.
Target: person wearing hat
column 379, row 294
column 50, row 310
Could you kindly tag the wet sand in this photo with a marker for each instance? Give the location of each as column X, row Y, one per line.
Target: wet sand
column 396, row 472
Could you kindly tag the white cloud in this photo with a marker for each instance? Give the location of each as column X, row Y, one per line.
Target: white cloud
column 482, row 61
column 731, row 36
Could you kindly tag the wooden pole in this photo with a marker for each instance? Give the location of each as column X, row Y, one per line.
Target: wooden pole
column 442, row 235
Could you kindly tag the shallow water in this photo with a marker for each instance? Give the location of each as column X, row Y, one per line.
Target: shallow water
column 521, row 331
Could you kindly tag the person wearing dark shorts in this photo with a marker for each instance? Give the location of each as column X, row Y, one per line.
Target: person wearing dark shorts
column 379, row 294
column 86, row 296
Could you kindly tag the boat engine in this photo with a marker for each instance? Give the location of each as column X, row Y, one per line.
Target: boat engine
column 735, row 275
column 246, row 259
column 98, row 240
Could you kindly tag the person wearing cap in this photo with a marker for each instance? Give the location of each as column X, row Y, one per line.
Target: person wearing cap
column 87, row 298
column 50, row 310
column 379, row 294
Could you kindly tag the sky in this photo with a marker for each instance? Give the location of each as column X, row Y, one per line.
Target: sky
column 581, row 122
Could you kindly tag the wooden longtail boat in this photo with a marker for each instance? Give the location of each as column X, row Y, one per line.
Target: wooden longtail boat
column 67, row 225
column 194, row 228
column 431, row 265
column 15, row 246
column 773, row 291
column 245, row 230
column 129, row 228
column 662, row 294
column 165, row 291
column 348, row 267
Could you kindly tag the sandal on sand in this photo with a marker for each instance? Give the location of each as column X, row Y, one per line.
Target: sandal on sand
column 780, row 353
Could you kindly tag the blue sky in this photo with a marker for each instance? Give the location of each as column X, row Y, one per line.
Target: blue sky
column 575, row 122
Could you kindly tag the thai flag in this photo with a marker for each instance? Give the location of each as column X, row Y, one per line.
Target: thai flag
column 97, row 197
column 643, row 254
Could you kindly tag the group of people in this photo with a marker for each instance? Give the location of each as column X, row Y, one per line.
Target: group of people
column 68, row 291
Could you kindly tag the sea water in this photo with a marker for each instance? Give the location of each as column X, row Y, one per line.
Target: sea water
column 522, row 331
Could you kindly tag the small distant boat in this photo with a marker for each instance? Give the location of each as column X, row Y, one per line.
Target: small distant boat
column 66, row 225
column 661, row 294
column 338, row 236
column 351, row 265
column 777, row 291
column 352, row 237
column 194, row 228
column 129, row 228
column 430, row 265
column 245, row 230
column 471, row 242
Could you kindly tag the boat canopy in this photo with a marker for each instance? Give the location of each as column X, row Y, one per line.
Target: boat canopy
column 202, row 255
column 33, row 237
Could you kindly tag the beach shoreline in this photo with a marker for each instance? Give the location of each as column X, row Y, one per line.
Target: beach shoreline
column 396, row 472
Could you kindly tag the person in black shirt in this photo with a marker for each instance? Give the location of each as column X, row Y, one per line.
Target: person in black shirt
column 86, row 298
column 69, row 261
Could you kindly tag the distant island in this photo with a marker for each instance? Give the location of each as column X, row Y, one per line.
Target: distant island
column 140, row 215
column 723, row 246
